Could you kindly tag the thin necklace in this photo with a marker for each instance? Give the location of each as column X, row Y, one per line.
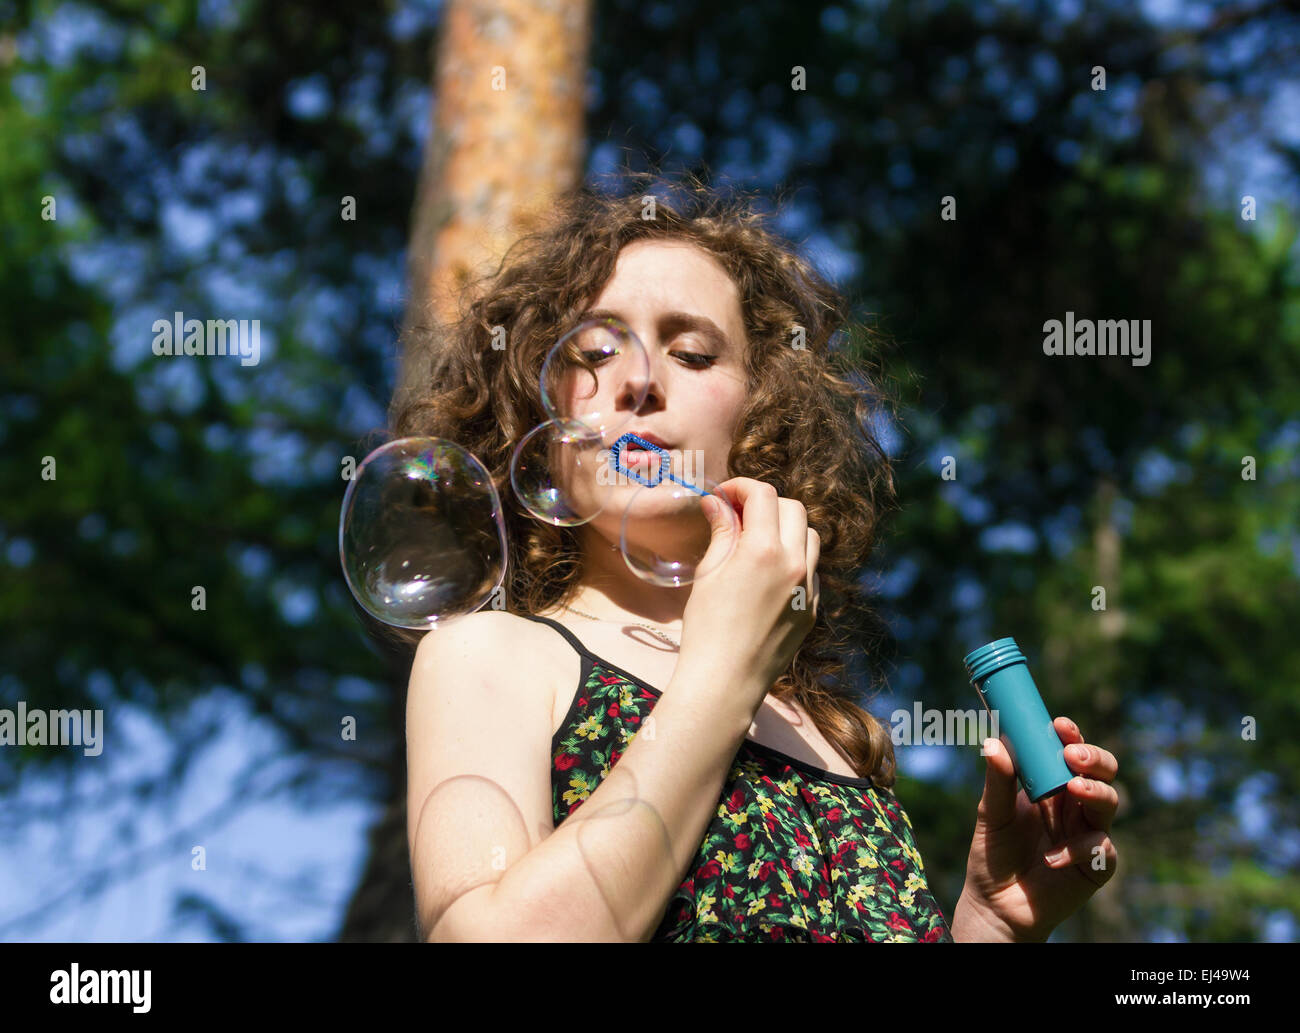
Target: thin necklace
column 641, row 624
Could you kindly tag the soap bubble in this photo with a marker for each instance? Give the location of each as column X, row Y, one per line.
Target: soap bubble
column 587, row 373
column 665, row 532
column 557, row 473
column 421, row 533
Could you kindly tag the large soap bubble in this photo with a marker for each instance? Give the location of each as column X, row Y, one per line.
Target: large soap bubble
column 596, row 377
column 421, row 533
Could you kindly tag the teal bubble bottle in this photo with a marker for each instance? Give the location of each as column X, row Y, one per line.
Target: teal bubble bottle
column 1001, row 677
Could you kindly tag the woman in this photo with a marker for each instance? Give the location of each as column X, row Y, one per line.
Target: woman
column 608, row 759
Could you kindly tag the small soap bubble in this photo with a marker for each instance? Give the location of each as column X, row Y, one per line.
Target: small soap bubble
column 666, row 534
column 558, row 473
column 421, row 533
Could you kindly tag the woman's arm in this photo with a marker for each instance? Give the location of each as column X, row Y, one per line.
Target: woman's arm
column 487, row 862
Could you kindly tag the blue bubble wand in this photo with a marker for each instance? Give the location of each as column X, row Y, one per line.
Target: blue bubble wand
column 664, row 469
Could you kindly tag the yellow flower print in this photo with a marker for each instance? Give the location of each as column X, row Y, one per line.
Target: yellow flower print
column 590, row 728
column 756, row 905
column 798, row 922
column 752, row 870
column 913, row 882
column 868, row 859
column 803, row 864
column 729, row 862
column 581, row 788
column 764, row 803
column 825, row 906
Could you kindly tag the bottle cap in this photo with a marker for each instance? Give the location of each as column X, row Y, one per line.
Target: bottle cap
column 992, row 656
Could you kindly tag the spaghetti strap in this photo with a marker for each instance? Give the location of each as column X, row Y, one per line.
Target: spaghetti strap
column 569, row 635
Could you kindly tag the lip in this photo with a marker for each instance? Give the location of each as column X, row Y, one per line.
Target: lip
column 654, row 439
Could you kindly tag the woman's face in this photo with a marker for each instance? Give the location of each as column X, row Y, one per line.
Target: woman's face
column 685, row 309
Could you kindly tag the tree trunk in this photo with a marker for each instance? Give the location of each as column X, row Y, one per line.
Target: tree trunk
column 507, row 137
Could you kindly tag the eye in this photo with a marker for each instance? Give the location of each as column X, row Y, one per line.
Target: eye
column 705, row 361
column 597, row 356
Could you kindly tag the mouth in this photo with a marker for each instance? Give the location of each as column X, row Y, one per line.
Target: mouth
column 653, row 439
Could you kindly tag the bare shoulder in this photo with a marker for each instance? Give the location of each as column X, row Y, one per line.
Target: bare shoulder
column 500, row 653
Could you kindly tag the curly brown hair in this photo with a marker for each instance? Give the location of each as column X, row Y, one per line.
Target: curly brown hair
column 806, row 428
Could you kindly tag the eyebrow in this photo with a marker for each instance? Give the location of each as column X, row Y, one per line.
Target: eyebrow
column 674, row 322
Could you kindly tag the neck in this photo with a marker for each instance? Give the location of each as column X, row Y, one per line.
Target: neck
column 608, row 589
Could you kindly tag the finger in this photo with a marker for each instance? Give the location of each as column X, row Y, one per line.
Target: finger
column 757, row 501
column 724, row 525
column 793, row 520
column 1094, row 853
column 1097, row 801
column 1091, row 761
column 997, row 806
column 1067, row 730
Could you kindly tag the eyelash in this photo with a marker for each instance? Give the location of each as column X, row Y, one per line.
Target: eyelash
column 594, row 357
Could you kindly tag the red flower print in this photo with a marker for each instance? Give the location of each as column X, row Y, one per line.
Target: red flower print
column 769, row 819
column 565, row 761
column 801, row 839
column 709, row 870
column 613, row 710
column 834, row 814
column 583, row 701
column 613, row 758
column 773, row 900
column 825, row 890
column 632, row 719
column 898, row 923
column 933, row 936
column 898, row 863
column 736, row 801
column 728, row 892
column 742, row 841
column 766, row 869
column 647, row 694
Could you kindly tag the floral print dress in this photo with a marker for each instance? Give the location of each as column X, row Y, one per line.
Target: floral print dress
column 793, row 853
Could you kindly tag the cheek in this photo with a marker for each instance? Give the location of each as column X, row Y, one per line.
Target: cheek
column 721, row 406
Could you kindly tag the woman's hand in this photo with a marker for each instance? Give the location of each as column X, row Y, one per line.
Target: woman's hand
column 1010, row 886
column 751, row 613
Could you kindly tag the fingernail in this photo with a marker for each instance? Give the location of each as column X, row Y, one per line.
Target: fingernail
column 1055, row 856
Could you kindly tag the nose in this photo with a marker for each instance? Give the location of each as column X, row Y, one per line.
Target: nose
column 636, row 380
